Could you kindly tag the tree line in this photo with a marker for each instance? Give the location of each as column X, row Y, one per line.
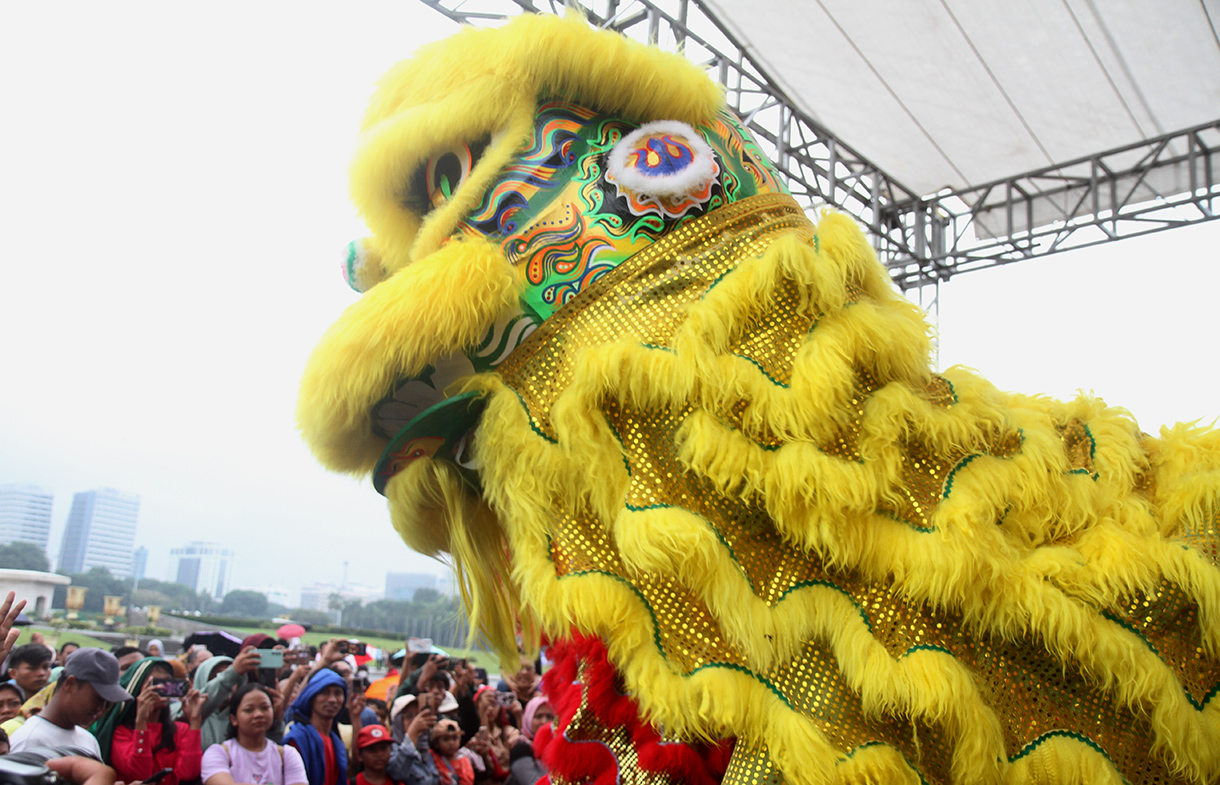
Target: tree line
column 429, row 614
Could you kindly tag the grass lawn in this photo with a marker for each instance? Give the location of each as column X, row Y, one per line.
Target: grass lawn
column 58, row 638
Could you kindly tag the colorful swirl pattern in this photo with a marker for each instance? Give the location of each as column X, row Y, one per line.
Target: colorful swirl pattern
column 554, row 211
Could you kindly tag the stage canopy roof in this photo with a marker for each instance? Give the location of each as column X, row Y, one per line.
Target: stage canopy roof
column 953, row 93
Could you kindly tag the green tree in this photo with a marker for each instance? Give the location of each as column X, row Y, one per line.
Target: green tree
column 23, row 556
column 426, row 596
column 242, row 602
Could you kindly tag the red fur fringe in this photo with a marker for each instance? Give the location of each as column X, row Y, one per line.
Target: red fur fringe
column 594, row 763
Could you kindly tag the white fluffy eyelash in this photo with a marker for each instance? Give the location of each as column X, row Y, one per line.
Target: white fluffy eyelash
column 691, row 179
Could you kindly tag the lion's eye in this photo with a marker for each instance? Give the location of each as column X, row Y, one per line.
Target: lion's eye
column 446, row 172
column 439, row 178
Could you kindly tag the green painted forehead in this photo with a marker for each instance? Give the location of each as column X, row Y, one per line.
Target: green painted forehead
column 559, row 211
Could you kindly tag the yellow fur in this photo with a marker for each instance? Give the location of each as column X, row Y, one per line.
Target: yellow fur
column 1005, row 580
column 394, row 331
column 485, row 82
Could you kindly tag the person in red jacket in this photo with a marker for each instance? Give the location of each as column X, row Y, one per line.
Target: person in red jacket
column 138, row 738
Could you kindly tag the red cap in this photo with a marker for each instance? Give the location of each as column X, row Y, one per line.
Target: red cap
column 372, row 734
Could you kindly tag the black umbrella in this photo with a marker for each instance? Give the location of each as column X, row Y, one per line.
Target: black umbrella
column 219, row 642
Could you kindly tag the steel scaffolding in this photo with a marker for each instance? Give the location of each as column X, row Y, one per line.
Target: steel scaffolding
column 923, row 239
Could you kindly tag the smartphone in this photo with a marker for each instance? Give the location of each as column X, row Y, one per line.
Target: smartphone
column 270, row 658
column 160, row 775
column 171, row 688
column 342, row 647
column 362, row 649
column 505, row 698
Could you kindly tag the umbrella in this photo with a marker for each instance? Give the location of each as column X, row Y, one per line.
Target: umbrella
column 218, row 642
column 290, row 631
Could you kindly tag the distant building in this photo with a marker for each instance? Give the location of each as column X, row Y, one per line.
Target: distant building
column 275, row 594
column 100, row 532
column 139, row 563
column 316, row 596
column 36, row 588
column 25, row 514
column 204, row 566
column 402, row 585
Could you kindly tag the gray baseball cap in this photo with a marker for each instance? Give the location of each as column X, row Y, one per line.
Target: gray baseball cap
column 101, row 669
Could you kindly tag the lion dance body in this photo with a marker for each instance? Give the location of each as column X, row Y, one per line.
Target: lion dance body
column 657, row 416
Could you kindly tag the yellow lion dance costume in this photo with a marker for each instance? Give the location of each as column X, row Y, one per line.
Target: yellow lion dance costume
column 606, row 363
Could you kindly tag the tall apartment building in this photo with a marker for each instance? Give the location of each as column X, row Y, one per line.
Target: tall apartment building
column 100, row 532
column 402, row 585
column 139, row 563
column 25, row 514
column 204, row 566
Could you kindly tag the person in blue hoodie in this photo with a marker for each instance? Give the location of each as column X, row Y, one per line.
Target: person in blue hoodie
column 313, row 731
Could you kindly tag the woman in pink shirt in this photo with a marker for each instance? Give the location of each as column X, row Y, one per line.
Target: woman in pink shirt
column 247, row 757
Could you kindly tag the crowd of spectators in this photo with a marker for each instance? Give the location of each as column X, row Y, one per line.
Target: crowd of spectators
column 274, row 714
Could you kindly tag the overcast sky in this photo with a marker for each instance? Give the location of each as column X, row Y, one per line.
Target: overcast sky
column 173, row 212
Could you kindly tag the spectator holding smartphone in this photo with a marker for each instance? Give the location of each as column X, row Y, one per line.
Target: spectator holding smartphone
column 248, row 756
column 139, row 738
column 496, row 735
column 411, row 757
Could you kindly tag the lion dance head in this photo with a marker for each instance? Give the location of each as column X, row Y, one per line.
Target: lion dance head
column 605, row 362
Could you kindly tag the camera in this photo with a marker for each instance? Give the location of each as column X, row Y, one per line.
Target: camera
column 170, row 687
column 505, row 699
column 14, row 773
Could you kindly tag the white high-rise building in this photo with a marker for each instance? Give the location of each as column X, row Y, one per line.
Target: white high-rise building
column 403, row 585
column 100, row 532
column 25, row 514
column 204, row 566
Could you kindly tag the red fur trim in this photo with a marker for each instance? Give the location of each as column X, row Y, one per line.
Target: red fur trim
column 592, row 762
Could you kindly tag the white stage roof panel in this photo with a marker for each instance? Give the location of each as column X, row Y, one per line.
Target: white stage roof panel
column 953, row 93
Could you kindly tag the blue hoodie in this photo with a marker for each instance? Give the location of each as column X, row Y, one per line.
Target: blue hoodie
column 305, row 737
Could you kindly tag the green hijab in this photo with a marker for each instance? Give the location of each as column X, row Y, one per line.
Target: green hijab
column 203, row 674
column 133, row 681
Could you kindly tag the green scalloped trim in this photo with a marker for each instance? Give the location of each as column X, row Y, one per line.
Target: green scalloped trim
column 964, row 461
column 656, row 637
column 758, row 365
column 1067, row 734
column 952, row 389
column 530, row 417
column 852, row 752
column 1131, row 629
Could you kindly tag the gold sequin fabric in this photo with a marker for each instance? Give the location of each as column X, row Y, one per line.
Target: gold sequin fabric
column 876, row 583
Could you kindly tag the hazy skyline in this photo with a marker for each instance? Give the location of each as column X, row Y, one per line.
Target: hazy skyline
column 174, row 199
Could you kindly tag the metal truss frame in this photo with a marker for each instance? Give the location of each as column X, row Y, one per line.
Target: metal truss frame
column 1161, row 183
column 923, row 239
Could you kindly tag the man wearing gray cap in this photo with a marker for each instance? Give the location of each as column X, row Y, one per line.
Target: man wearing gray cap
column 87, row 686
